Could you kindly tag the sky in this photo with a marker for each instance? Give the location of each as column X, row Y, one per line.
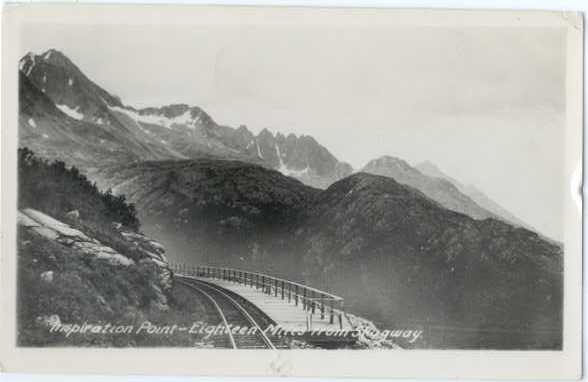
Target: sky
column 485, row 104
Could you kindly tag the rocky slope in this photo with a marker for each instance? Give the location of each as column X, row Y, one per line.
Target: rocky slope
column 82, row 260
column 55, row 86
column 55, row 135
column 67, row 277
column 438, row 189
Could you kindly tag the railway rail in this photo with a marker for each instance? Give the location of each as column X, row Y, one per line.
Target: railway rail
column 232, row 314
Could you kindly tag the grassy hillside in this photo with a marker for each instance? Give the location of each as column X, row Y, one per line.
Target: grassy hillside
column 61, row 280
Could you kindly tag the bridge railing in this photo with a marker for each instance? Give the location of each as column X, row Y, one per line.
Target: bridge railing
column 311, row 300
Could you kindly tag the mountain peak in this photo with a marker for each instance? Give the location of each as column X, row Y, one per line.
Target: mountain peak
column 437, row 188
column 430, row 169
column 387, row 161
column 265, row 133
column 51, row 56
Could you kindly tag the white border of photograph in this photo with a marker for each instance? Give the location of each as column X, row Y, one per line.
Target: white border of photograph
column 311, row 363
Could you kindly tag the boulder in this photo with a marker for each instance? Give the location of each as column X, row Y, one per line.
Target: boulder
column 73, row 215
column 47, row 276
column 49, row 321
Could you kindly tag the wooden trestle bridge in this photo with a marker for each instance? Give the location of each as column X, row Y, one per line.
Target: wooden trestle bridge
column 262, row 301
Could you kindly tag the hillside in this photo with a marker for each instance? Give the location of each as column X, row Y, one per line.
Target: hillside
column 422, row 264
column 212, row 210
column 81, row 259
column 426, row 265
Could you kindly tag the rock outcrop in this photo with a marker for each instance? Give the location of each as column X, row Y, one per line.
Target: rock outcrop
column 145, row 250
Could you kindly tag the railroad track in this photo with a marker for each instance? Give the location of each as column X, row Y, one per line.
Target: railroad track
column 231, row 314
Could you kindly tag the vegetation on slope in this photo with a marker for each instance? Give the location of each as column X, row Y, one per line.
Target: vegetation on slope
column 474, row 283
column 62, row 283
column 213, row 211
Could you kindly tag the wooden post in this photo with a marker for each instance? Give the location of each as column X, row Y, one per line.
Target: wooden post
column 289, row 292
column 340, row 321
column 275, row 287
column 331, row 313
column 296, row 295
column 304, row 302
column 282, row 289
column 322, row 306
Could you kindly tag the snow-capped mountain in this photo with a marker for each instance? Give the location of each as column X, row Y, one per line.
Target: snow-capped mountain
column 176, row 131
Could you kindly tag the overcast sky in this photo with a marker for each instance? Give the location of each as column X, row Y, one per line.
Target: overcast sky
column 486, row 105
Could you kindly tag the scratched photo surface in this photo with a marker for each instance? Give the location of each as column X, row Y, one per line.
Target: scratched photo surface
column 291, row 187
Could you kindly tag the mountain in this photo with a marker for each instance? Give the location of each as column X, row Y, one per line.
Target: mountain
column 474, row 193
column 403, row 260
column 302, row 158
column 54, row 135
column 396, row 256
column 210, row 210
column 177, row 131
column 438, row 189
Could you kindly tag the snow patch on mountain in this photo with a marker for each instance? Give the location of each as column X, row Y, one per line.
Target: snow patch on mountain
column 258, row 150
column 70, row 81
column 161, row 120
column 288, row 171
column 31, row 123
column 73, row 113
